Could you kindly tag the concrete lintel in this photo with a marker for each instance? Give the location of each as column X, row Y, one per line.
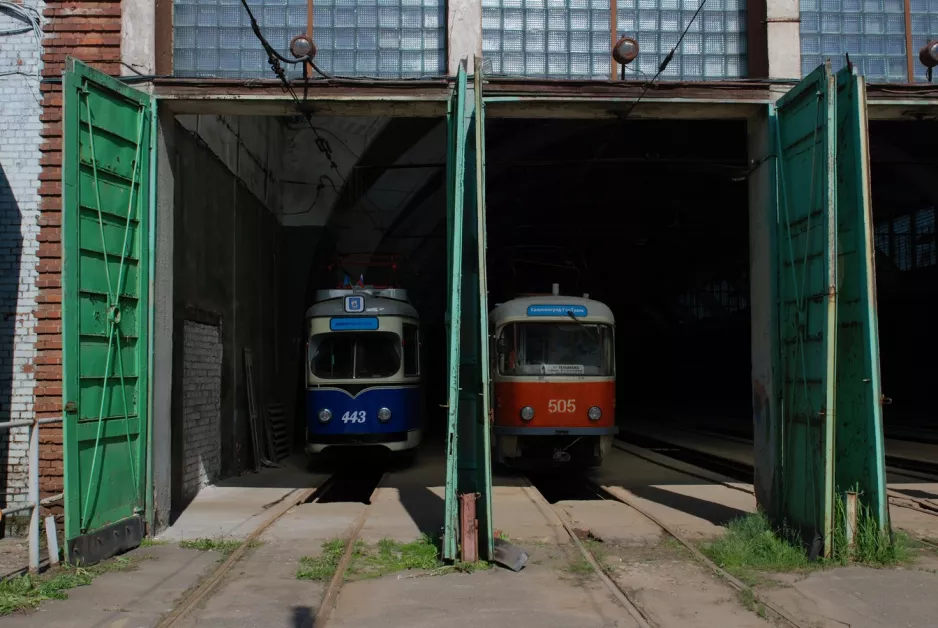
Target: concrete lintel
column 613, row 108
column 241, row 106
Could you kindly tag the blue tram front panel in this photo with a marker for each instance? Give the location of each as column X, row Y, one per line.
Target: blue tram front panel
column 355, row 419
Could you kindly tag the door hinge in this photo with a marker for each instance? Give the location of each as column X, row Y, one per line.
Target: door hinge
column 71, row 406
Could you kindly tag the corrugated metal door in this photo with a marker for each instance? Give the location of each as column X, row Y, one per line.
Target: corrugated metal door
column 860, row 454
column 807, row 292
column 105, row 282
column 455, row 194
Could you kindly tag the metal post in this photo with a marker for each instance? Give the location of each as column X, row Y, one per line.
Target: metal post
column 851, row 520
column 34, row 497
column 52, row 541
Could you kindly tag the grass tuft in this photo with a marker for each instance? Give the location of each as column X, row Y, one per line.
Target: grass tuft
column 385, row 557
column 390, row 556
column 28, row 591
column 580, row 567
column 323, row 566
column 149, row 541
column 750, row 543
column 225, row 547
column 873, row 546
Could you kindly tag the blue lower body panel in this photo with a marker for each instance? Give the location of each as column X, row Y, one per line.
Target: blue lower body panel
column 355, row 421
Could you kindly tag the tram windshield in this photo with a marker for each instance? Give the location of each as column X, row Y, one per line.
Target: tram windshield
column 350, row 355
column 556, row 349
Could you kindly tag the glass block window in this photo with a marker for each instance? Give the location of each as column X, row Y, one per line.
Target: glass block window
column 572, row 39
column 381, row 38
column 872, row 32
column 924, row 28
column 369, row 38
column 558, row 39
column 713, row 49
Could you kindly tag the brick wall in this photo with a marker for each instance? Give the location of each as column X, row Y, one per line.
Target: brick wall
column 201, row 405
column 19, row 244
column 89, row 31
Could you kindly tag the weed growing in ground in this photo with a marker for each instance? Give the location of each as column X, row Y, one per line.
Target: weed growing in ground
column 27, row 592
column 872, row 545
column 225, row 547
column 386, row 557
column 390, row 556
column 323, row 566
column 580, row 567
column 149, row 541
column 750, row 543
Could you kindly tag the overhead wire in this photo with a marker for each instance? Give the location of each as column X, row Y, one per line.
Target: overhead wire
column 664, row 62
column 322, row 144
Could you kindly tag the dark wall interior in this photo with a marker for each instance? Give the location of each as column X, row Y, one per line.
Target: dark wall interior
column 905, row 194
column 653, row 216
column 225, row 273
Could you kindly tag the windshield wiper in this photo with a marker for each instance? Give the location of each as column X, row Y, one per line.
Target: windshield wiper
column 592, row 332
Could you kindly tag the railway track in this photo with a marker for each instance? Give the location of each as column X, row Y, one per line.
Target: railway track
column 341, row 486
column 572, row 487
column 743, row 472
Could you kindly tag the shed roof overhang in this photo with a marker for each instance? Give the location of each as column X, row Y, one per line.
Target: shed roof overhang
column 506, row 97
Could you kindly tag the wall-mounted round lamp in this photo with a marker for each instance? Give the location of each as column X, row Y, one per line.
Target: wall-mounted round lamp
column 625, row 50
column 928, row 56
column 302, row 47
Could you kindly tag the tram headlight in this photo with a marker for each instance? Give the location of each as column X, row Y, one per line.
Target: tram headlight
column 325, row 415
column 595, row 413
column 527, row 413
column 384, row 415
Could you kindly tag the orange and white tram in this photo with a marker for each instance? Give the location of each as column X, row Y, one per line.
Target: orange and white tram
column 554, row 381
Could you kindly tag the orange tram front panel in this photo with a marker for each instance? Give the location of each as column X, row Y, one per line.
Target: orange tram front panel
column 559, row 407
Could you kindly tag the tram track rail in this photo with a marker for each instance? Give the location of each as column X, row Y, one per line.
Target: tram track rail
column 623, row 496
column 743, row 472
column 340, row 486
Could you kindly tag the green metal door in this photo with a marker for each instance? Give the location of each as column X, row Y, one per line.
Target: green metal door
column 479, row 465
column 807, row 293
column 469, row 471
column 455, row 193
column 860, row 454
column 105, row 286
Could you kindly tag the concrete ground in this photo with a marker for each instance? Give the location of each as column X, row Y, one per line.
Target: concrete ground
column 556, row 587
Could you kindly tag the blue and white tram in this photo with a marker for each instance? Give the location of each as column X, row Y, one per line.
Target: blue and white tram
column 363, row 371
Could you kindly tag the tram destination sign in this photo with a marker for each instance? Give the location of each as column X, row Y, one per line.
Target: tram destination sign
column 353, row 323
column 557, row 310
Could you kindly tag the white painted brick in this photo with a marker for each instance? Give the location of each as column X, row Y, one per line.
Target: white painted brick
column 19, row 227
column 201, row 405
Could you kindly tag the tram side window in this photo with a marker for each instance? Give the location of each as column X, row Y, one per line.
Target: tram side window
column 411, row 343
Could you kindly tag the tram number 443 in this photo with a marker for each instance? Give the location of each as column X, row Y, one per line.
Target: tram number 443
column 559, row 406
column 354, row 417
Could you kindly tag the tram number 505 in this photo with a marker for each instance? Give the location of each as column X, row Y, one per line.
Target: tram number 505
column 354, row 417
column 561, row 406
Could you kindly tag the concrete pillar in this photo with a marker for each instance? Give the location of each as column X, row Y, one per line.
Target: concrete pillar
column 762, row 251
column 138, row 37
column 161, row 379
column 464, row 33
column 783, row 24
